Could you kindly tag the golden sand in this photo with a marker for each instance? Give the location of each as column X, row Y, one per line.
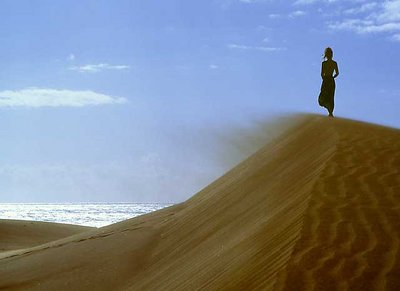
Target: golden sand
column 18, row 234
column 316, row 209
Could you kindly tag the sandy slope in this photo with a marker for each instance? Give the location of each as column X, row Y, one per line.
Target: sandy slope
column 18, row 234
column 317, row 208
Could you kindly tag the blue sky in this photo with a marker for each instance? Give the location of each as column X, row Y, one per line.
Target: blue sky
column 128, row 100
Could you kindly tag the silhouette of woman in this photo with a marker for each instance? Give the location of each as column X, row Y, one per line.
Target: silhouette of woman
column 329, row 66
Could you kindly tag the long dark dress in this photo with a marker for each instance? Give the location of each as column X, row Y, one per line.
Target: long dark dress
column 327, row 95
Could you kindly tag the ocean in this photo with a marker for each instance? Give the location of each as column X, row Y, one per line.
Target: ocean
column 88, row 214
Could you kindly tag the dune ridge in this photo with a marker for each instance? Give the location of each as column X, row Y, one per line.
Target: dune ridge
column 350, row 235
column 19, row 234
column 316, row 209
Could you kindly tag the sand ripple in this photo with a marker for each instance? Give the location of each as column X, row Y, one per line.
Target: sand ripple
column 316, row 209
column 350, row 235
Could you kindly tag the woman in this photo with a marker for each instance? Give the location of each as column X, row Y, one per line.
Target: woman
column 329, row 67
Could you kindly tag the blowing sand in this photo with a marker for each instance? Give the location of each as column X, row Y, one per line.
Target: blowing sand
column 316, row 209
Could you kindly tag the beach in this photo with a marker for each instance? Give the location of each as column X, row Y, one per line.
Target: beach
column 317, row 208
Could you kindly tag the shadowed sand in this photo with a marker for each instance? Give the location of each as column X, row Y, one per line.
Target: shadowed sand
column 316, row 209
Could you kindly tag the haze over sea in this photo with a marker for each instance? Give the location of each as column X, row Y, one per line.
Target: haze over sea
column 140, row 100
column 88, row 214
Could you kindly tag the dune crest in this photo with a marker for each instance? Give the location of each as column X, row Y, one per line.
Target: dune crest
column 18, row 234
column 316, row 209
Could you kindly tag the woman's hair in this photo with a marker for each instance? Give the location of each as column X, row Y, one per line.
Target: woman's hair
column 328, row 53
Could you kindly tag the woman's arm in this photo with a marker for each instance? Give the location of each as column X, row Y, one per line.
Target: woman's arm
column 336, row 71
column 322, row 70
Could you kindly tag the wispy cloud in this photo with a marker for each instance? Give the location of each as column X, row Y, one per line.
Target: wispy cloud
column 95, row 68
column 254, row 1
column 396, row 37
column 255, row 48
column 365, row 26
column 300, row 2
column 293, row 14
column 366, row 7
column 297, row 13
column 40, row 97
column 309, row 2
column 390, row 11
column 71, row 57
column 213, row 67
column 381, row 17
column 275, row 15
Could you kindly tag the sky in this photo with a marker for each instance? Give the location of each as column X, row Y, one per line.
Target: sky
column 150, row 101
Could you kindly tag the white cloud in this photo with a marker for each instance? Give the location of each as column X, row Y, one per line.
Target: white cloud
column 213, row 67
column 365, row 26
column 309, row 2
column 381, row 17
column 396, row 37
column 40, row 97
column 292, row 14
column 71, row 57
column 274, row 15
column 94, row 68
column 257, row 48
column 366, row 7
column 299, row 2
column 390, row 11
column 297, row 13
column 253, row 1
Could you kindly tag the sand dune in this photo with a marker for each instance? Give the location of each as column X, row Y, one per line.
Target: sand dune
column 18, row 234
column 316, row 209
